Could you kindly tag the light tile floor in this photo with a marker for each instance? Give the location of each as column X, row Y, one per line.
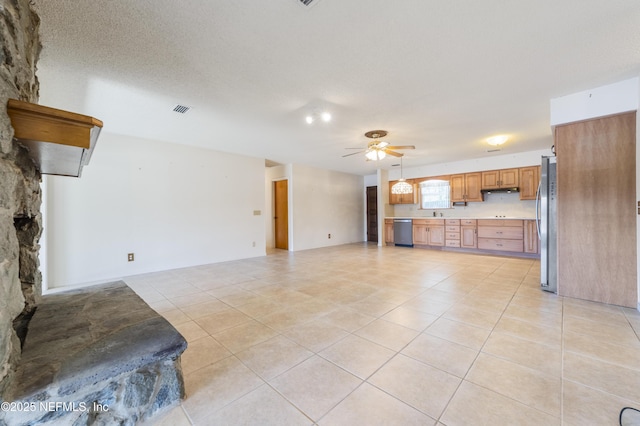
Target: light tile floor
column 360, row 334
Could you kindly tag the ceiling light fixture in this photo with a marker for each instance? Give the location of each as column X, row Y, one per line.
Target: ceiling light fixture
column 375, row 154
column 402, row 186
column 313, row 117
column 497, row 140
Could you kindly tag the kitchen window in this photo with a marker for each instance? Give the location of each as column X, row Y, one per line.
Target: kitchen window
column 435, row 194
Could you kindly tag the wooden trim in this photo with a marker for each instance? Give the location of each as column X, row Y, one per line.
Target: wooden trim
column 45, row 124
column 59, row 142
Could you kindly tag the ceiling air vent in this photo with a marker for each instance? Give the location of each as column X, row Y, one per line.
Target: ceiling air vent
column 181, row 109
column 308, row 3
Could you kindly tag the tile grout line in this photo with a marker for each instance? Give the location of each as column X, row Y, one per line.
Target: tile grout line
column 475, row 359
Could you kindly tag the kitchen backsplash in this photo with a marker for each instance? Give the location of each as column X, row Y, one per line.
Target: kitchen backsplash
column 497, row 204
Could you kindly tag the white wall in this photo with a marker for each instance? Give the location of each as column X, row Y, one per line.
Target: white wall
column 172, row 205
column 601, row 101
column 325, row 202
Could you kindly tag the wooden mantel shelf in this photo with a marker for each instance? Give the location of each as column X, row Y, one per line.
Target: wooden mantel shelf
column 59, row 142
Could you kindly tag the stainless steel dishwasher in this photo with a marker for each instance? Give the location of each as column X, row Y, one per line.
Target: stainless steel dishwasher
column 403, row 232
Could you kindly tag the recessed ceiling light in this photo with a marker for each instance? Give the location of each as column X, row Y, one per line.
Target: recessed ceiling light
column 497, row 140
column 326, row 117
column 309, row 119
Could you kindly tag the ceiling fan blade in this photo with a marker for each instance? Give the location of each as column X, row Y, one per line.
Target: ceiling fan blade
column 401, row 147
column 393, row 153
column 353, row 153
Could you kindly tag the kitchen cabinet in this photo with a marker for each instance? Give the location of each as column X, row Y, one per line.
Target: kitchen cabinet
column 466, row 187
column 428, row 232
column 501, row 234
column 468, row 233
column 505, row 178
column 452, row 232
column 402, row 198
column 531, row 243
column 529, row 179
column 388, row 231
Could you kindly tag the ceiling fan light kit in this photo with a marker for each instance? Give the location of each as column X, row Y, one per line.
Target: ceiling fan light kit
column 375, row 154
column 378, row 149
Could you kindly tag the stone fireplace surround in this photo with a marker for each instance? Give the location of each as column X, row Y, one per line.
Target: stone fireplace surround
column 95, row 355
column 129, row 356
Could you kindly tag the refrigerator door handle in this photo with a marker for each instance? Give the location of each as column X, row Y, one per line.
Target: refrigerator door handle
column 538, row 209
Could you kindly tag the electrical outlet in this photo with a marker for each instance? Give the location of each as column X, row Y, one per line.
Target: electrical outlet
column 130, row 257
column 329, row 236
column 254, row 244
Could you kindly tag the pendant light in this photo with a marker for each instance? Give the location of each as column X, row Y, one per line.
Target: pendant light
column 402, row 186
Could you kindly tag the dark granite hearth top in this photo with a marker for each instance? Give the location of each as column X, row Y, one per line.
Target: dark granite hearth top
column 81, row 337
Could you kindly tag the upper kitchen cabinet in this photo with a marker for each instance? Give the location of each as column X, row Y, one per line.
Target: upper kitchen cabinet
column 402, row 198
column 466, row 187
column 529, row 178
column 495, row 179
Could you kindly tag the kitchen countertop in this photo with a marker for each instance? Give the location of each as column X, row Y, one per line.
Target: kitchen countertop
column 460, row 217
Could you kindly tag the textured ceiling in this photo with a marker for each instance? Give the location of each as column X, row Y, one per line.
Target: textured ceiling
column 442, row 75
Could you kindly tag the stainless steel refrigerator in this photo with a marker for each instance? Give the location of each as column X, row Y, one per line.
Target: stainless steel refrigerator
column 546, row 210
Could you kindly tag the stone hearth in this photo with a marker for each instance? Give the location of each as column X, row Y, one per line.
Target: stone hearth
column 96, row 355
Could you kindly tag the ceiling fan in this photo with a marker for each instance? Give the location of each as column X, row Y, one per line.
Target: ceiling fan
column 377, row 149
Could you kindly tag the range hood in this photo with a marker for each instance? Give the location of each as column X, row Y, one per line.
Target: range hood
column 59, row 142
column 496, row 190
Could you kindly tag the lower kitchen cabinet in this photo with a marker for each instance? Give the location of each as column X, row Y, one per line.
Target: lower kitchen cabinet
column 452, row 232
column 388, row 231
column 428, row 232
column 468, row 233
column 501, row 234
